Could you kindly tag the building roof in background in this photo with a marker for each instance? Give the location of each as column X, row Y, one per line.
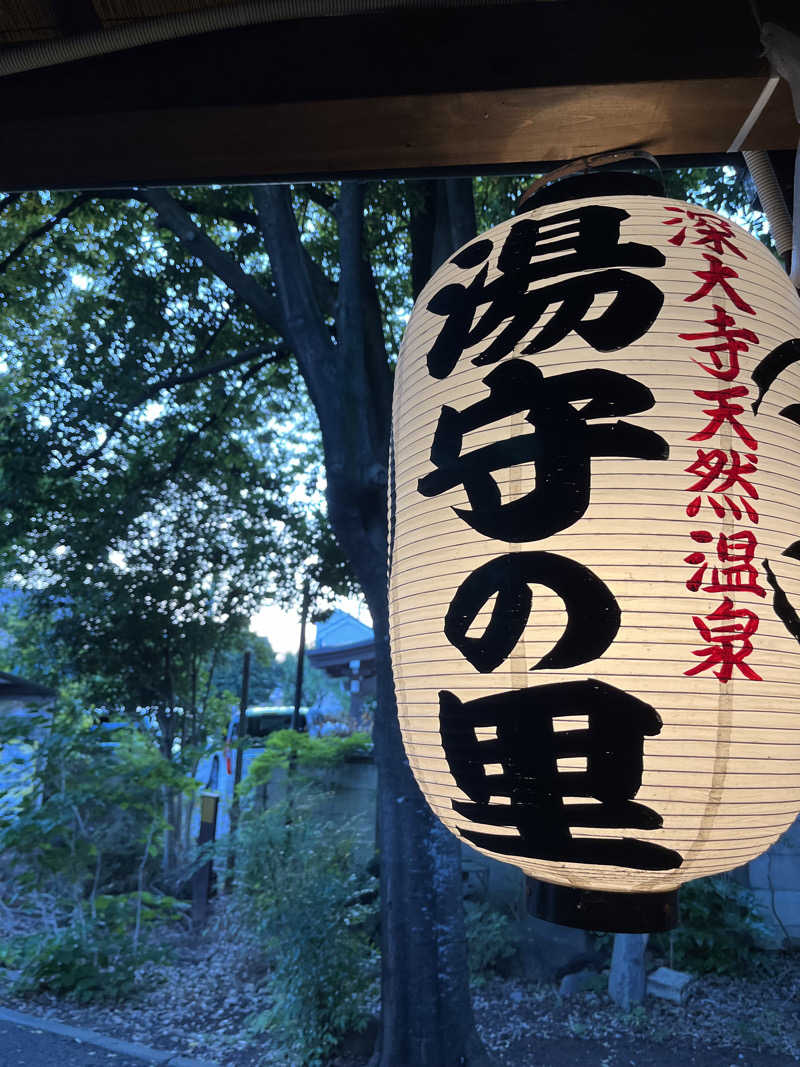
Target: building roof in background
column 344, row 647
column 341, row 628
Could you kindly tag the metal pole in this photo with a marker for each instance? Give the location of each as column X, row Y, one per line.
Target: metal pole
column 243, row 701
column 301, row 655
column 237, row 771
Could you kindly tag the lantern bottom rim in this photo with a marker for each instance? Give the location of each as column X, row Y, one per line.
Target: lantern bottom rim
column 603, row 911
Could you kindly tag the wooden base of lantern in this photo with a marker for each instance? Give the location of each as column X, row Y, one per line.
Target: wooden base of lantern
column 591, row 909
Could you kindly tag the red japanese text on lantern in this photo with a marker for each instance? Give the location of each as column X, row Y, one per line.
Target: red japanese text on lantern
column 724, row 472
column 706, row 228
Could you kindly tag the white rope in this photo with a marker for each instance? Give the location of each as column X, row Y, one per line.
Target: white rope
column 755, row 113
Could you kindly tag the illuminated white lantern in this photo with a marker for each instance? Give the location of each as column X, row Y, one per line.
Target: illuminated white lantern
column 595, row 540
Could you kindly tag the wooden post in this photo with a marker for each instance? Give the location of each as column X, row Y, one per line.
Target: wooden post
column 243, row 701
column 237, row 770
column 301, row 655
column 203, row 876
column 627, row 978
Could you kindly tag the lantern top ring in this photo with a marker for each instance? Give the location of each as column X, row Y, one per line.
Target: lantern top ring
column 584, row 165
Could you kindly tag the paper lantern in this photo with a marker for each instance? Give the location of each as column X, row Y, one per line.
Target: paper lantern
column 595, row 537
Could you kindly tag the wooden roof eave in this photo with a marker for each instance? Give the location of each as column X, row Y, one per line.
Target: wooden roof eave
column 396, row 93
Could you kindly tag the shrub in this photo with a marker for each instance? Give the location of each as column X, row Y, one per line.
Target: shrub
column 118, row 913
column 298, row 889
column 87, row 961
column 299, row 751
column 490, row 937
column 718, row 931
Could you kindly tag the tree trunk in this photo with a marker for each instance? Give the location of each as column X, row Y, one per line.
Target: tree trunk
column 426, row 1009
column 427, row 1018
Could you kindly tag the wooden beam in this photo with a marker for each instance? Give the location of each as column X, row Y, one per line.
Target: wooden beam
column 394, row 135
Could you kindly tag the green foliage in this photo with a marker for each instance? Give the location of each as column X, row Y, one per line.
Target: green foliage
column 88, row 961
column 726, row 190
column 490, row 937
column 497, row 197
column 160, row 475
column 118, row 912
column 94, row 806
column 288, row 748
column 96, row 957
column 80, row 846
column 272, row 678
column 309, row 910
column 718, row 931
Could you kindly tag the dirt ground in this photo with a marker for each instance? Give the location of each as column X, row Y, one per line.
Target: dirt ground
column 577, row 1052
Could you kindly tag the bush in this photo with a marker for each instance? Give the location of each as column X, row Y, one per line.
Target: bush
column 301, row 753
column 297, row 888
column 490, row 937
column 89, row 962
column 97, row 955
column 718, row 931
column 118, row 913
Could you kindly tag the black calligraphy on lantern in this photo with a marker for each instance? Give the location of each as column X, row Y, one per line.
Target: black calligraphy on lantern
column 508, row 308
column 592, row 612
column 724, row 473
column 764, row 375
column 561, row 446
column 527, row 748
column 548, row 275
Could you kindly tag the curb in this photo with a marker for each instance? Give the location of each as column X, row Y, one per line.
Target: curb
column 110, row 1044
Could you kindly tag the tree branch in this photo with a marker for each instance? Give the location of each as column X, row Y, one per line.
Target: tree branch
column 192, row 439
column 45, row 228
column 421, row 226
column 323, row 198
column 173, row 217
column 363, row 387
column 306, row 330
column 349, row 323
column 358, row 322
column 325, row 290
column 460, row 211
column 237, row 215
column 182, row 451
column 170, row 382
column 377, row 362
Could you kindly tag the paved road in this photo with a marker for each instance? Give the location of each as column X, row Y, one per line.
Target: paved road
column 23, row 1047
